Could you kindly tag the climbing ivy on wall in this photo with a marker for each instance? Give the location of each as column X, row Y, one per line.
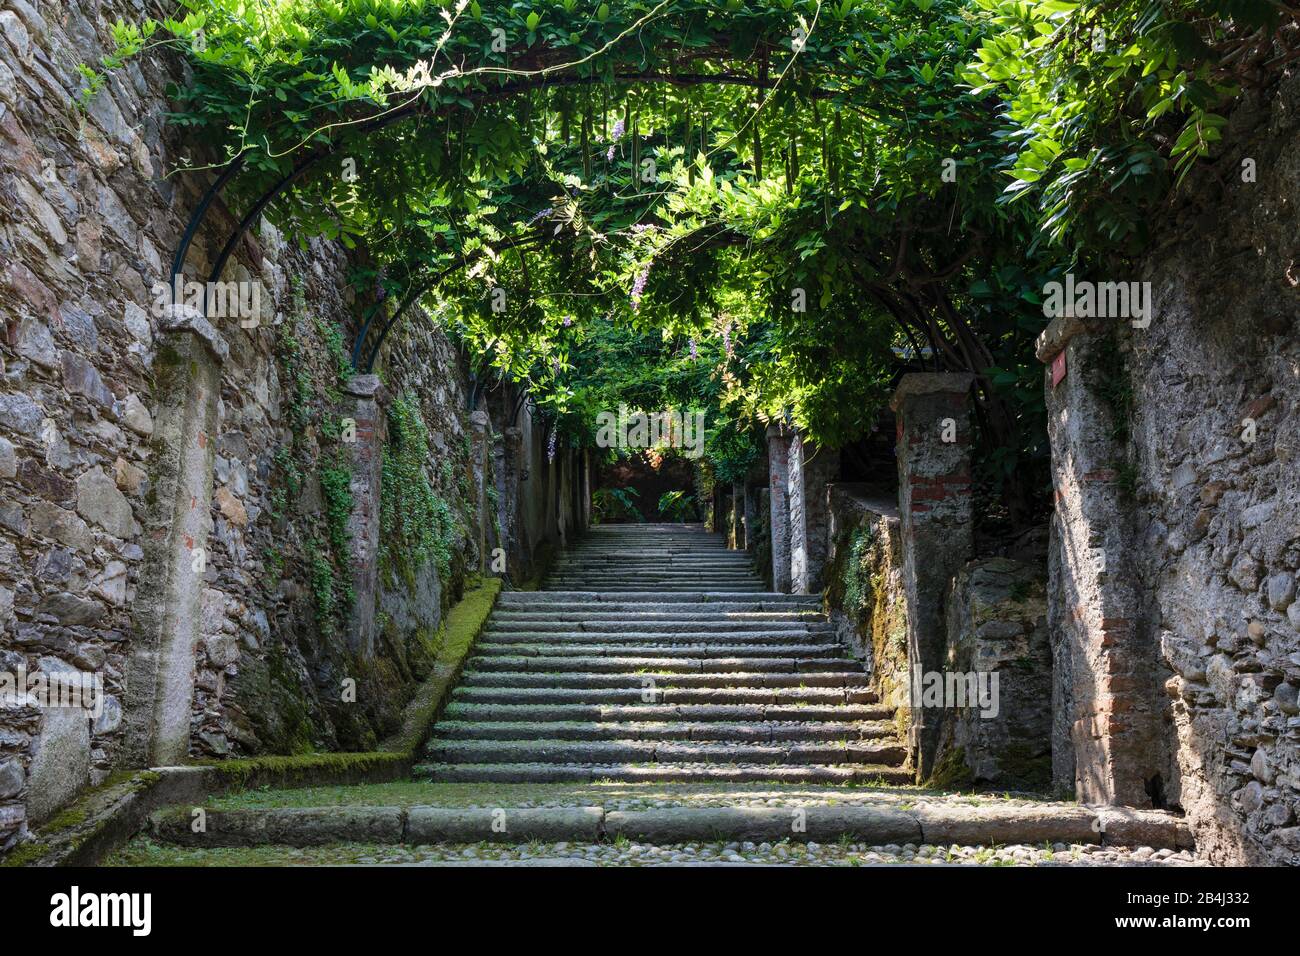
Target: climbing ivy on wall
column 416, row 524
column 315, row 448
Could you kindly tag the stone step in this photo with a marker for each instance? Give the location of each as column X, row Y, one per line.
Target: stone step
column 932, row 822
column 666, row 730
column 661, row 752
column 666, row 680
column 651, row 563
column 495, row 636
column 712, row 609
column 620, row 557
column 652, row 567
column 686, row 581
column 673, row 665
column 652, row 649
column 666, row 617
column 536, row 599
column 660, row 773
column 666, row 587
column 467, row 711
column 659, row 695
column 657, row 627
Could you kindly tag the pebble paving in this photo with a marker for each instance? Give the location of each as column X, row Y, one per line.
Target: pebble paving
column 144, row 852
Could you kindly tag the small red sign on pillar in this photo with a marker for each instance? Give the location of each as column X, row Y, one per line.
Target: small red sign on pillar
column 1058, row 368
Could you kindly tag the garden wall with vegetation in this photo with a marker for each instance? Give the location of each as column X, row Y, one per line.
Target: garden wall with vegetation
column 89, row 221
column 995, row 619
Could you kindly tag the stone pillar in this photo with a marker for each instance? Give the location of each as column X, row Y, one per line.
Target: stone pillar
column 778, row 466
column 811, row 468
column 512, row 467
column 480, row 475
column 584, row 492
column 176, row 520
column 362, row 392
column 934, row 504
column 737, row 514
column 1105, row 699
column 754, row 481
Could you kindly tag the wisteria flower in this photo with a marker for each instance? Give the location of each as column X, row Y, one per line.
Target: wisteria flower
column 638, row 287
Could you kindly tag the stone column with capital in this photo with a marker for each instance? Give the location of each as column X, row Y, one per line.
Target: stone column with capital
column 363, row 393
column 176, row 520
column 778, row 465
column 480, row 475
column 736, row 513
column 811, row 469
column 935, row 508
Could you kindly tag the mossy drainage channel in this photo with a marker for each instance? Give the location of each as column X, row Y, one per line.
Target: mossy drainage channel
column 106, row 817
column 934, row 822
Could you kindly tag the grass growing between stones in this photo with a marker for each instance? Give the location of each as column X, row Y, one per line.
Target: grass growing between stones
column 408, row 793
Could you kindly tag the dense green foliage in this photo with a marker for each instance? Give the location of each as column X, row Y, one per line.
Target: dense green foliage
column 763, row 207
column 416, row 525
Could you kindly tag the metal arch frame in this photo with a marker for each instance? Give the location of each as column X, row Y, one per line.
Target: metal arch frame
column 414, row 297
column 303, row 165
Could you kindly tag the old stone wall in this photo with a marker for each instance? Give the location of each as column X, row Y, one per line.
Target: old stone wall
column 1001, row 736
column 1176, row 539
column 1216, row 453
column 864, row 588
column 89, row 219
column 101, row 509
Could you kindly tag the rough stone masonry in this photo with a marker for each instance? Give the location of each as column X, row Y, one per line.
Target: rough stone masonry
column 121, row 438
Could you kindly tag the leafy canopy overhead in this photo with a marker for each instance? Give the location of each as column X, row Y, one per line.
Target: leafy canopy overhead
column 814, row 192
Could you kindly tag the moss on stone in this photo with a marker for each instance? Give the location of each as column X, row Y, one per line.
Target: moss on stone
column 1023, row 767
column 65, row 832
column 951, row 772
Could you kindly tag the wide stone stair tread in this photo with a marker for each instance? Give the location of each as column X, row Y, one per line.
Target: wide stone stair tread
column 665, row 730
column 658, row 751
column 667, row 680
column 653, row 637
column 656, row 664
column 652, row 600
column 634, row 650
column 659, row 773
column 691, row 713
column 645, row 626
column 670, row 695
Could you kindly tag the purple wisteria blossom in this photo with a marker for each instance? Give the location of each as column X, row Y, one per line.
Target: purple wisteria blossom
column 619, row 128
column 638, row 287
column 550, row 447
column 695, row 352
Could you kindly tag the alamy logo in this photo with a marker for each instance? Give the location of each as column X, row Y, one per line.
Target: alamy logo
column 55, row 689
column 1098, row 300
column 632, row 429
column 952, row 689
column 74, row 909
column 216, row 300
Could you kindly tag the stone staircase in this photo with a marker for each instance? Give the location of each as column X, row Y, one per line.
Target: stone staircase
column 697, row 720
column 653, row 654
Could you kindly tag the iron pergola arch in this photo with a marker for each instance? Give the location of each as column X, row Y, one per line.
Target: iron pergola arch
column 416, row 109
